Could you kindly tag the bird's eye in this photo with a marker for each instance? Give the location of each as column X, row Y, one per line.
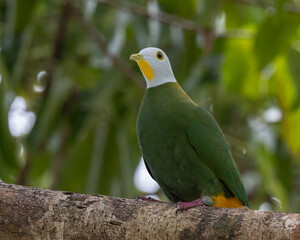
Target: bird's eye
column 159, row 55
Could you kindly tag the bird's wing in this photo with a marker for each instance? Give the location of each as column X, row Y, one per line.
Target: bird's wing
column 148, row 169
column 168, row 193
column 206, row 137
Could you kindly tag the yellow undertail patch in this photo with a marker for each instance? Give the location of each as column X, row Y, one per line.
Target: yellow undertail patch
column 222, row 201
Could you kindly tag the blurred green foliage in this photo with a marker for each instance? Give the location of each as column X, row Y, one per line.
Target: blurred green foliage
column 242, row 65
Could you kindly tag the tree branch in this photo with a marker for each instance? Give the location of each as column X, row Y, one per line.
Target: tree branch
column 166, row 18
column 31, row 213
column 119, row 63
column 174, row 20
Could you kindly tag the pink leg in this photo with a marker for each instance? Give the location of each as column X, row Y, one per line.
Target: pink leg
column 188, row 205
column 203, row 201
column 150, row 199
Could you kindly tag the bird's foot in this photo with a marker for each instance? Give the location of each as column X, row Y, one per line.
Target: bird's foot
column 144, row 198
column 203, row 201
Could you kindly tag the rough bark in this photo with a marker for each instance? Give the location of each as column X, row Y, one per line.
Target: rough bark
column 30, row 213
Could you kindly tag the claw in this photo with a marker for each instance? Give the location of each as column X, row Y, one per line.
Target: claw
column 150, row 199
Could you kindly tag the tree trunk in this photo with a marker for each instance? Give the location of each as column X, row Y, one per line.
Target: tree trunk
column 30, row 213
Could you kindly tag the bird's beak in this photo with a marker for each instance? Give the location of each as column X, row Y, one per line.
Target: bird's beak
column 136, row 57
column 143, row 64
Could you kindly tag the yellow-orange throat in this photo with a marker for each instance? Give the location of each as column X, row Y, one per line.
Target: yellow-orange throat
column 146, row 69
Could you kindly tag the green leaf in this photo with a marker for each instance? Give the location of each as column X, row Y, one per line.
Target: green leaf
column 273, row 187
column 242, row 15
column 240, row 74
column 274, row 37
column 184, row 9
column 293, row 59
column 291, row 130
column 282, row 84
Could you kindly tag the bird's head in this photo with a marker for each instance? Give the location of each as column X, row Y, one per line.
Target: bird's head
column 155, row 66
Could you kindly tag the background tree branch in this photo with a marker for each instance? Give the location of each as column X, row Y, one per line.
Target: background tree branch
column 174, row 20
column 31, row 213
column 119, row 63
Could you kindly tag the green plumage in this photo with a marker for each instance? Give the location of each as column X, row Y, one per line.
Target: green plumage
column 184, row 148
